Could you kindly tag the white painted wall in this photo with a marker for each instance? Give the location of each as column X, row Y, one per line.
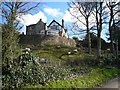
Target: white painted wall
column 53, row 32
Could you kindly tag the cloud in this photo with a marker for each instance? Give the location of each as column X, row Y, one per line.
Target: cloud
column 53, row 12
column 29, row 19
column 81, row 19
column 92, row 22
column 68, row 17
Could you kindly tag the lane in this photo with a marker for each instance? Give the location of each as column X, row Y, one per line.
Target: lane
column 114, row 83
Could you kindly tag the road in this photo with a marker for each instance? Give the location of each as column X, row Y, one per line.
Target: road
column 113, row 83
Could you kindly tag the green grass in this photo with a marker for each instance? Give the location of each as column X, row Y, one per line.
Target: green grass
column 55, row 55
column 96, row 77
column 52, row 53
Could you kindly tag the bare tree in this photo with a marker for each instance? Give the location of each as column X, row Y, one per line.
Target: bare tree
column 112, row 6
column 99, row 12
column 116, row 38
column 101, row 16
column 11, row 9
column 85, row 9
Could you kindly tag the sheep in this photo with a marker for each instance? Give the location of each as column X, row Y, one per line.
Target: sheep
column 27, row 49
column 43, row 60
column 75, row 50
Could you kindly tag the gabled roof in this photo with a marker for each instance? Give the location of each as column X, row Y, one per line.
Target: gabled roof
column 56, row 22
column 31, row 25
column 36, row 23
column 40, row 21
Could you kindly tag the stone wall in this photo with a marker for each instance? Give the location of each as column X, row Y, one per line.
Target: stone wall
column 46, row 40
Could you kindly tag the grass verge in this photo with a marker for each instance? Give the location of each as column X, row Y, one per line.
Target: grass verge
column 96, row 77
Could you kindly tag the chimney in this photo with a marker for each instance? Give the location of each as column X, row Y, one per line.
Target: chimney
column 63, row 23
column 45, row 26
column 40, row 19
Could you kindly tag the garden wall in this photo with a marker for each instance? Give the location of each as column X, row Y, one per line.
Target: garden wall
column 46, row 40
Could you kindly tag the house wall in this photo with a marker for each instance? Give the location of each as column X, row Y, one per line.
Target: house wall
column 40, row 26
column 35, row 29
column 30, row 30
column 53, row 32
column 57, row 27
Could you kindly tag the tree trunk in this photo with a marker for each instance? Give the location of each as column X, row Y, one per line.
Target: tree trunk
column 110, row 31
column 99, row 29
column 116, row 48
column 89, row 38
column 99, row 44
column 115, row 52
column 89, row 43
column 111, row 38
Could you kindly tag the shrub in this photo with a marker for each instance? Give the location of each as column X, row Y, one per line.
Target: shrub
column 20, row 72
column 26, row 71
column 111, row 61
column 83, row 60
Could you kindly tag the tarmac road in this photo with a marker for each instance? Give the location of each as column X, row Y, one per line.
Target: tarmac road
column 113, row 83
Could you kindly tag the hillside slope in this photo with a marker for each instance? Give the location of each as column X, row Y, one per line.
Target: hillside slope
column 46, row 40
column 60, row 54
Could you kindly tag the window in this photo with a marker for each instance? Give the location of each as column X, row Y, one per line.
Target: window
column 30, row 28
column 55, row 27
column 52, row 27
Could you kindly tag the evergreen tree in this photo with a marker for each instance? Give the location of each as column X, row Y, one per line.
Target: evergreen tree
column 10, row 47
column 10, row 11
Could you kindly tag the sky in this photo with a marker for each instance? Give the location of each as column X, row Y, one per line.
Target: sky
column 48, row 11
column 52, row 11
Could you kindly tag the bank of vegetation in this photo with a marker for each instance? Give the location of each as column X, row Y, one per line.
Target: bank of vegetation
column 84, row 66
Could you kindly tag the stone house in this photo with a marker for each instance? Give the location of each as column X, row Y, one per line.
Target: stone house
column 53, row 29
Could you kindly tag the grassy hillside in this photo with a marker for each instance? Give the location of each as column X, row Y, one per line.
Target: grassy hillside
column 65, row 67
column 59, row 54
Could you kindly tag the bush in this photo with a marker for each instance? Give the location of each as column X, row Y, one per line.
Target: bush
column 111, row 61
column 20, row 72
column 26, row 71
column 84, row 60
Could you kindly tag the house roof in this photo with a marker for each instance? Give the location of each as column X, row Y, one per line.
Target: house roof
column 36, row 23
column 48, row 25
column 56, row 22
column 31, row 25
